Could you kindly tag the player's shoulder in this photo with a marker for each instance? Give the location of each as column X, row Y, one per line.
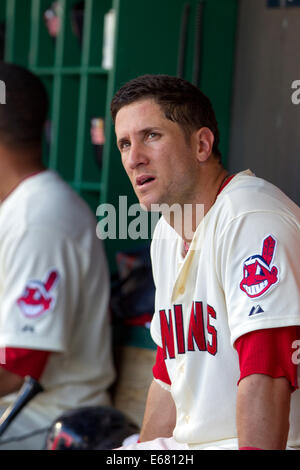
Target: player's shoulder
column 49, row 201
column 247, row 193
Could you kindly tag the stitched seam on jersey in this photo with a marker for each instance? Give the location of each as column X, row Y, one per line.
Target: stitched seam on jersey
column 18, row 239
column 256, row 212
column 249, row 326
column 20, row 341
column 156, row 336
column 162, row 384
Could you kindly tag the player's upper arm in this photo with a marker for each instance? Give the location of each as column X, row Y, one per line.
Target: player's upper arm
column 40, row 291
column 258, row 266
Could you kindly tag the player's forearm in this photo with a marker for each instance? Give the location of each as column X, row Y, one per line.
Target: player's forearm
column 263, row 406
column 160, row 414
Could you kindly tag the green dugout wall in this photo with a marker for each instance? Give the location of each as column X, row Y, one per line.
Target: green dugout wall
column 193, row 39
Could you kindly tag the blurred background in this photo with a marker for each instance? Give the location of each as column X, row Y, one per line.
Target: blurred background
column 244, row 54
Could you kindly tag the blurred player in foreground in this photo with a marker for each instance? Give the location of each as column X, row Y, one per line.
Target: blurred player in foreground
column 54, row 281
column 225, row 257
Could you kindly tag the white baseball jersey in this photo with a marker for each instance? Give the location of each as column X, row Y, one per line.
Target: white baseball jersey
column 242, row 273
column 54, row 292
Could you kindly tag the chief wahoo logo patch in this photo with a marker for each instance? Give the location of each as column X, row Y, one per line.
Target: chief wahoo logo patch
column 258, row 273
column 37, row 297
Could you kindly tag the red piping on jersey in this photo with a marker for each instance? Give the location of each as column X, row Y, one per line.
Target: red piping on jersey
column 224, row 184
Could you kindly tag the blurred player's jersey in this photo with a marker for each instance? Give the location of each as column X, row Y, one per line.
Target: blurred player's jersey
column 54, row 292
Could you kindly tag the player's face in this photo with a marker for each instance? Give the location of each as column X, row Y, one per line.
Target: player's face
column 159, row 162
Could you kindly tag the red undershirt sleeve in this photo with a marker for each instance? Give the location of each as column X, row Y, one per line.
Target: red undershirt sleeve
column 269, row 352
column 24, row 362
column 159, row 369
column 266, row 351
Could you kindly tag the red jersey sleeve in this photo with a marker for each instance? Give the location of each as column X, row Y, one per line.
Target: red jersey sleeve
column 25, row 361
column 269, row 352
column 159, row 369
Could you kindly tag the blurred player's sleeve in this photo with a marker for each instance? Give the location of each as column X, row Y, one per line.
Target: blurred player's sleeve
column 40, row 290
column 22, row 362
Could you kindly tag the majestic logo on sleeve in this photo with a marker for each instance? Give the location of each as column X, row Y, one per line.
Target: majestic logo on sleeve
column 259, row 274
column 37, row 297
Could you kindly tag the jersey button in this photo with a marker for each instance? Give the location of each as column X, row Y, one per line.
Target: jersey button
column 187, row 419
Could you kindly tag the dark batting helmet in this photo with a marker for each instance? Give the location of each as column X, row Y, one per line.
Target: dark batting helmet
column 90, row 428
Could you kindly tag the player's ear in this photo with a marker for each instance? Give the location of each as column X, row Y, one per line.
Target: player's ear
column 204, row 141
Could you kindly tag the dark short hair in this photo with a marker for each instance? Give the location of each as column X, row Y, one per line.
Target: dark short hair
column 23, row 116
column 181, row 102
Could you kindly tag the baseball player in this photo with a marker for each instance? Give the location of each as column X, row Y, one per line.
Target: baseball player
column 225, row 256
column 54, row 282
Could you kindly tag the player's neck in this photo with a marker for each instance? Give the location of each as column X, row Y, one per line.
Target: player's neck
column 187, row 217
column 14, row 169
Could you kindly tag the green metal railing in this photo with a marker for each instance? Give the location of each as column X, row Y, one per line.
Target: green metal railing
column 148, row 39
column 76, row 83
